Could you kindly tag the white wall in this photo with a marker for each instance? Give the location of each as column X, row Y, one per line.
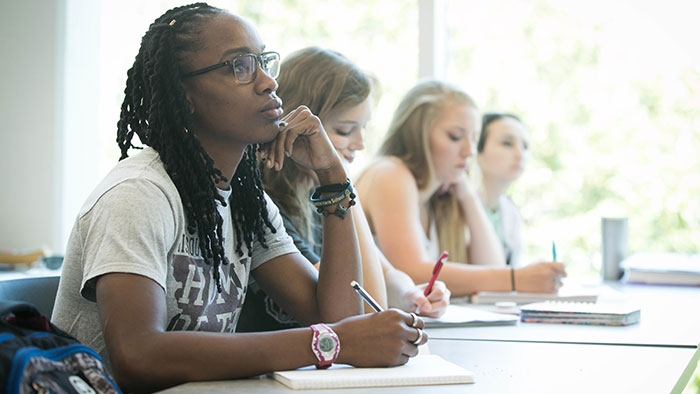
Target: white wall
column 80, row 106
column 48, row 108
column 31, row 39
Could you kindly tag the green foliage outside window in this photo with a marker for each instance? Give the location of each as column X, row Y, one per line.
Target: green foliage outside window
column 613, row 106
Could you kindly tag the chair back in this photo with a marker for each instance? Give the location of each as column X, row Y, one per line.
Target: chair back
column 39, row 291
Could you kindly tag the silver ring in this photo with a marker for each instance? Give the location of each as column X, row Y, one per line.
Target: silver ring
column 414, row 320
column 420, row 337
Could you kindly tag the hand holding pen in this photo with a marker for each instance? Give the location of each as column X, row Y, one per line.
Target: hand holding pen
column 433, row 300
column 434, row 305
column 541, row 277
column 383, row 339
column 558, row 282
column 413, row 325
column 436, row 271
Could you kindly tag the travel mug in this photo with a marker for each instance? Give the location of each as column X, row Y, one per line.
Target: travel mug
column 614, row 231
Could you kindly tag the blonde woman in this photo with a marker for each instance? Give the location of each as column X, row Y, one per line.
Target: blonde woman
column 418, row 199
column 339, row 93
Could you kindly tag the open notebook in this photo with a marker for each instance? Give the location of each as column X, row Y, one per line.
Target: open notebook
column 464, row 316
column 420, row 370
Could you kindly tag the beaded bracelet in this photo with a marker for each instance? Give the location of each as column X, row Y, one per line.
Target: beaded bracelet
column 322, row 204
column 340, row 211
column 333, row 187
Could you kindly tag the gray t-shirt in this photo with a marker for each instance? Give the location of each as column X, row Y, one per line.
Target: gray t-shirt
column 134, row 222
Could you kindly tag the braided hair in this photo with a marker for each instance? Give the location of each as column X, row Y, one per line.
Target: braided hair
column 156, row 110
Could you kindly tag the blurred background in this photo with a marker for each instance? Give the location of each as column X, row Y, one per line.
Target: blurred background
column 609, row 90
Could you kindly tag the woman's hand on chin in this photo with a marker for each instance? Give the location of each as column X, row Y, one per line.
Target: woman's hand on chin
column 462, row 188
column 303, row 139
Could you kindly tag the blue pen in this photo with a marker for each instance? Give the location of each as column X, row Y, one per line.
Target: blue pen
column 554, row 252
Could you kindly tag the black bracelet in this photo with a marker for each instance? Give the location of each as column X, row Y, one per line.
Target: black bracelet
column 333, row 187
column 325, row 202
column 512, row 278
column 344, row 191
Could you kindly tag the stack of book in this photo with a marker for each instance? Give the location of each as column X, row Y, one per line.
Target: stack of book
column 662, row 268
column 601, row 314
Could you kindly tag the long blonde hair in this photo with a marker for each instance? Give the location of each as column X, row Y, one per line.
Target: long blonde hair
column 323, row 80
column 408, row 138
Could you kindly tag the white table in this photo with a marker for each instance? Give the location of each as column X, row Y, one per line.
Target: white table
column 670, row 316
column 524, row 367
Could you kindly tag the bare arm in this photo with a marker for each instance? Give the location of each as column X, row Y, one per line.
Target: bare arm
column 291, row 281
column 389, row 286
column 373, row 276
column 145, row 357
column 304, row 140
column 372, row 271
column 391, row 201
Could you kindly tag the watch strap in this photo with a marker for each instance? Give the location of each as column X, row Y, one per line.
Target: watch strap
column 325, row 344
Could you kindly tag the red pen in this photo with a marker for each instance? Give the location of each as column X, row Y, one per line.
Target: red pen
column 436, row 271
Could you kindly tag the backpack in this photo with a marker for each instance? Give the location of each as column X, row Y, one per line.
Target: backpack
column 37, row 357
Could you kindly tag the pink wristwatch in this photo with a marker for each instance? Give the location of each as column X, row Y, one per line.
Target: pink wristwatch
column 325, row 345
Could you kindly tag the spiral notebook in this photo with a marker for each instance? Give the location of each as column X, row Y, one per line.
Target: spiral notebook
column 420, row 370
column 603, row 314
column 566, row 293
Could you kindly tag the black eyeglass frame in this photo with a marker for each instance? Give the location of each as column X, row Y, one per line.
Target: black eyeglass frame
column 229, row 62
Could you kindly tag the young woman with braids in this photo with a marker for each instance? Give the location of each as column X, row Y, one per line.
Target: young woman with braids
column 339, row 93
column 418, row 198
column 158, row 261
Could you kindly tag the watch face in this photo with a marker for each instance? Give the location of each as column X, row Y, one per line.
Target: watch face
column 326, row 343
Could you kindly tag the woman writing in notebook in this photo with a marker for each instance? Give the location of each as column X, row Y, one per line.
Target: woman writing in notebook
column 339, row 93
column 418, row 199
column 157, row 264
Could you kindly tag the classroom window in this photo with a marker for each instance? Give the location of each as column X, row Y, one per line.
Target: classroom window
column 609, row 91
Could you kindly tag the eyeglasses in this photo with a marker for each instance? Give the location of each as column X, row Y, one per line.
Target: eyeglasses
column 245, row 67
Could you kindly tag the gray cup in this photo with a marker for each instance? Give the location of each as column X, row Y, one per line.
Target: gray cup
column 614, row 231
